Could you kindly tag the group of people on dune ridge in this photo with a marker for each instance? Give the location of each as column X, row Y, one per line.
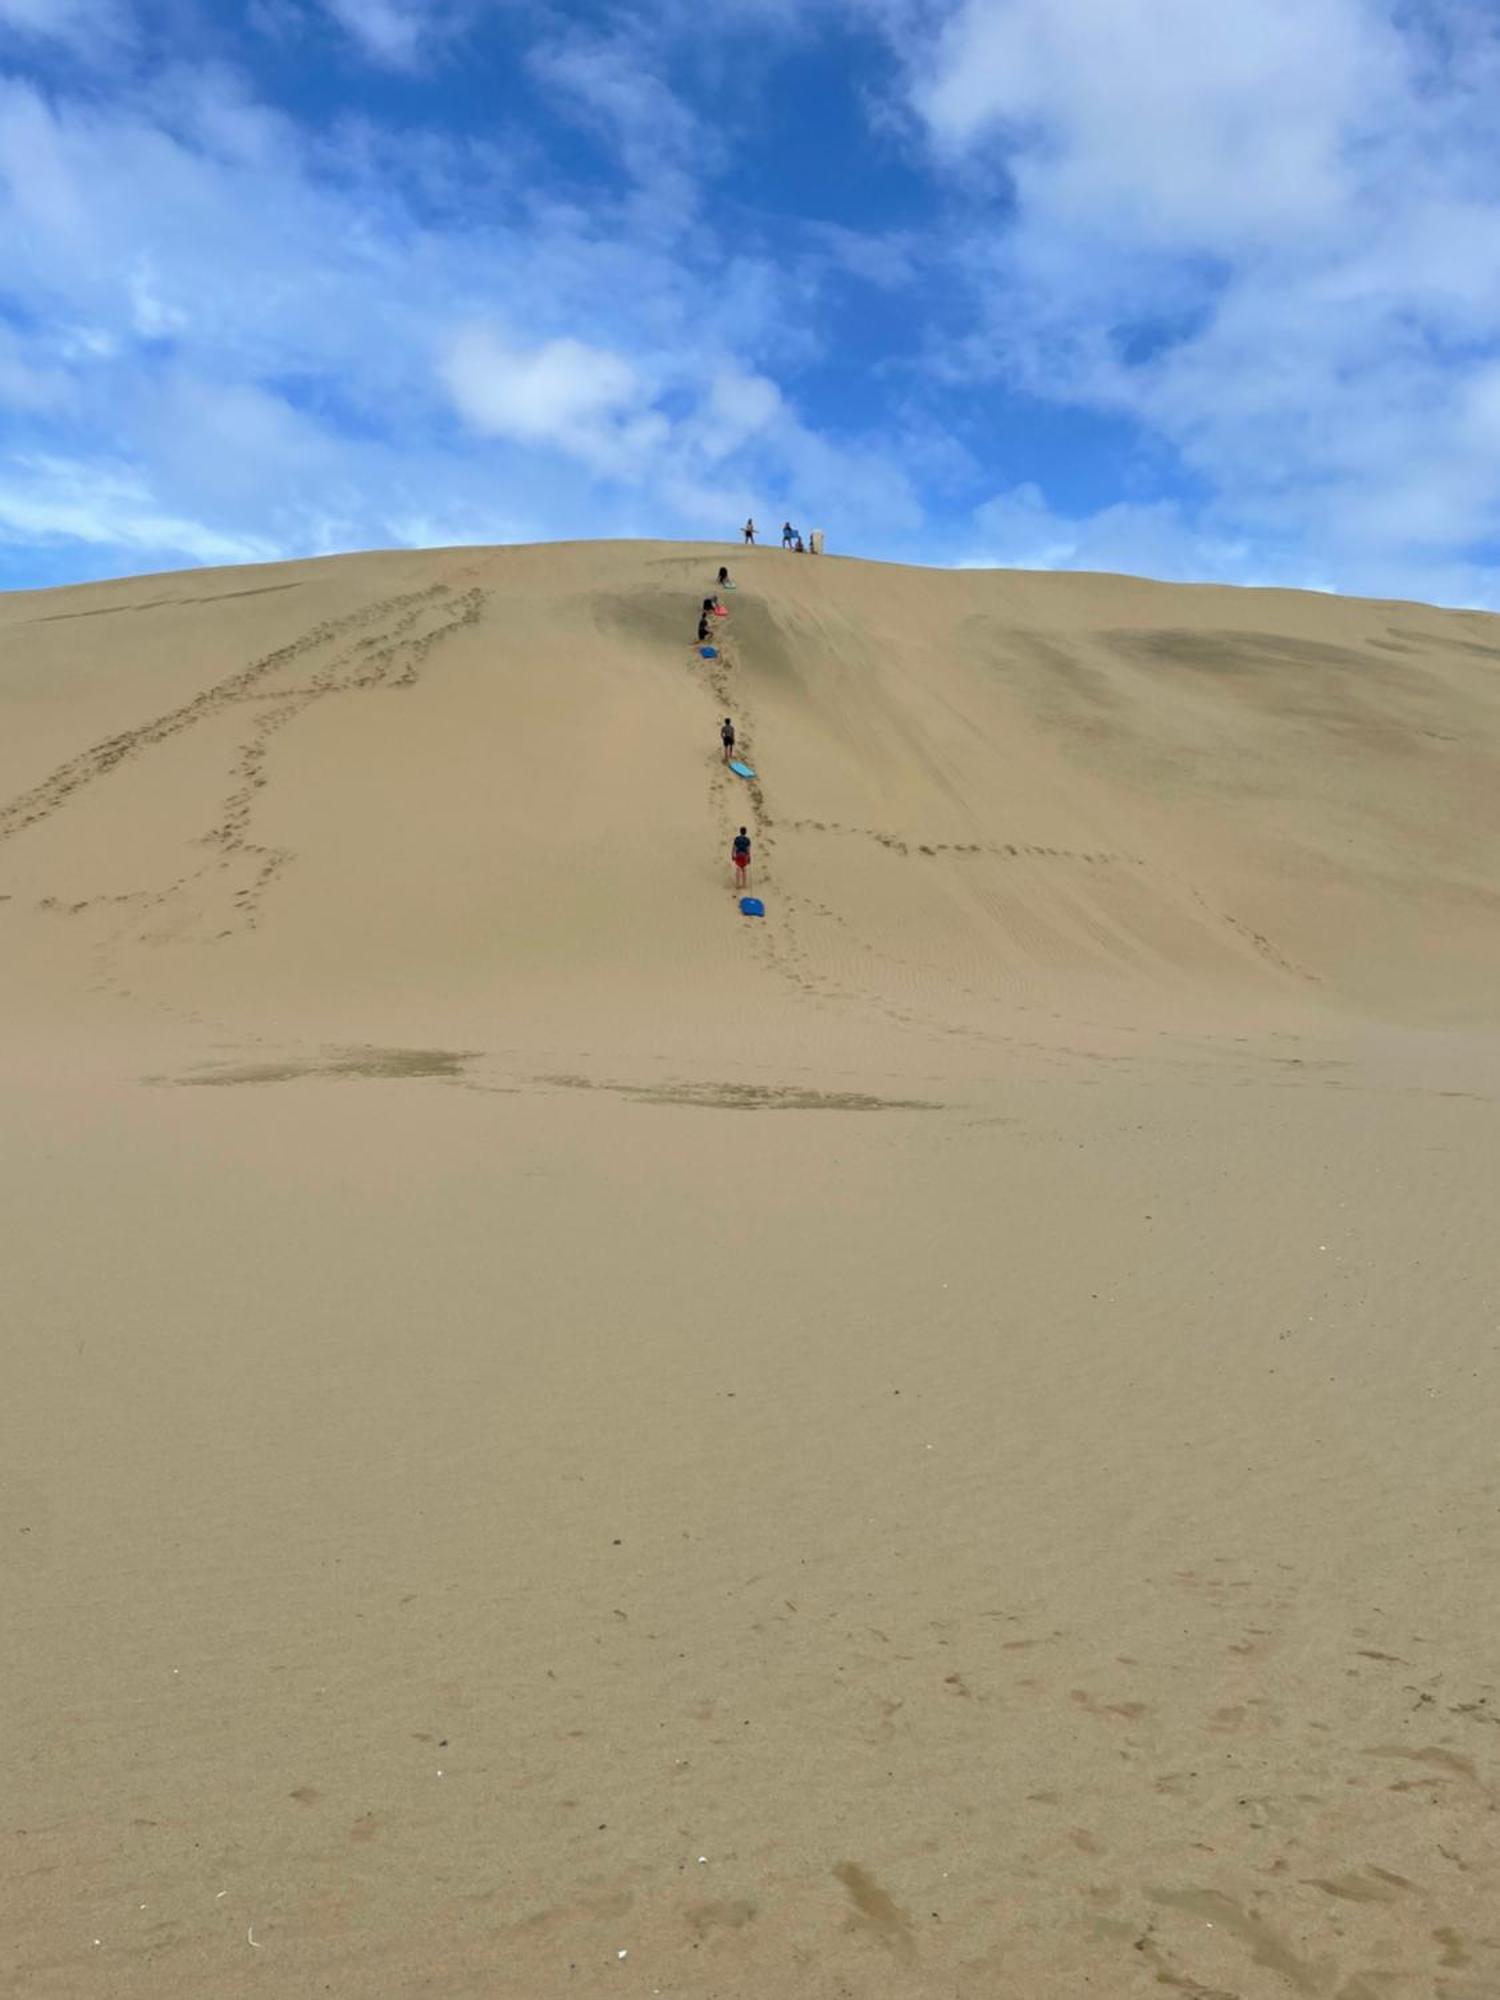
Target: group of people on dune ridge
column 791, row 538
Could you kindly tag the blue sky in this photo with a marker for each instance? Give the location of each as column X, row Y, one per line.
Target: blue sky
column 1205, row 289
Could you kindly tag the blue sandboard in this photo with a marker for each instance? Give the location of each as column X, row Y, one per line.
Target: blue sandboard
column 752, row 906
column 708, row 652
column 740, row 770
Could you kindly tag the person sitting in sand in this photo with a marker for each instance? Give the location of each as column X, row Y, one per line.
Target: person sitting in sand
column 726, row 737
column 724, row 583
column 749, row 533
column 741, row 853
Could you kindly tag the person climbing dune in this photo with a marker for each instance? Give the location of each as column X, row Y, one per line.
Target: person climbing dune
column 726, row 737
column 741, row 853
column 702, row 628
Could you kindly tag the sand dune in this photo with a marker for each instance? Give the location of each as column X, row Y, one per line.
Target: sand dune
column 483, row 1515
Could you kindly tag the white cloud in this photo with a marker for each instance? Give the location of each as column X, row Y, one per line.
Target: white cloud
column 151, row 315
column 1261, row 236
column 1019, row 530
column 582, row 400
column 390, row 31
column 75, row 21
column 46, row 499
column 738, row 407
column 1179, row 121
column 259, row 336
column 881, row 257
column 1267, row 231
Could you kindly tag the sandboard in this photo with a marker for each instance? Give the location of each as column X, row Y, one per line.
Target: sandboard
column 708, row 652
column 752, row 906
column 740, row 770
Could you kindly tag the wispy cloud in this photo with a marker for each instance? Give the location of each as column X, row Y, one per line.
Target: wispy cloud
column 1268, row 231
column 58, row 500
column 389, row 31
column 611, row 85
column 1018, row 529
column 267, row 337
column 585, row 401
column 102, row 23
column 1209, row 290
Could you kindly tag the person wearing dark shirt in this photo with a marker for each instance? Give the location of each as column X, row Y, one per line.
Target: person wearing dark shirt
column 726, row 737
column 749, row 533
column 741, row 853
column 702, row 628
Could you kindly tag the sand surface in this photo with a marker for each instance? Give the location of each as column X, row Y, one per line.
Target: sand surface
column 559, row 1440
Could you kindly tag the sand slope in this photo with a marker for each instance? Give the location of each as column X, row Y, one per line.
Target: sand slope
column 940, row 1443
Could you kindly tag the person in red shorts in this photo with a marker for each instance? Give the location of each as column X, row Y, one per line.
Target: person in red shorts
column 741, row 853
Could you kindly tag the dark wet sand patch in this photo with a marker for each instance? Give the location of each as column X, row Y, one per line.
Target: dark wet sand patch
column 382, row 1064
column 745, row 1096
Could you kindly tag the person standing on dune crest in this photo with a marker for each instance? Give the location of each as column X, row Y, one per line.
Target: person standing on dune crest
column 749, row 533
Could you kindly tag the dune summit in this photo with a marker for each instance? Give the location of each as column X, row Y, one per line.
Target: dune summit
column 563, row 1439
